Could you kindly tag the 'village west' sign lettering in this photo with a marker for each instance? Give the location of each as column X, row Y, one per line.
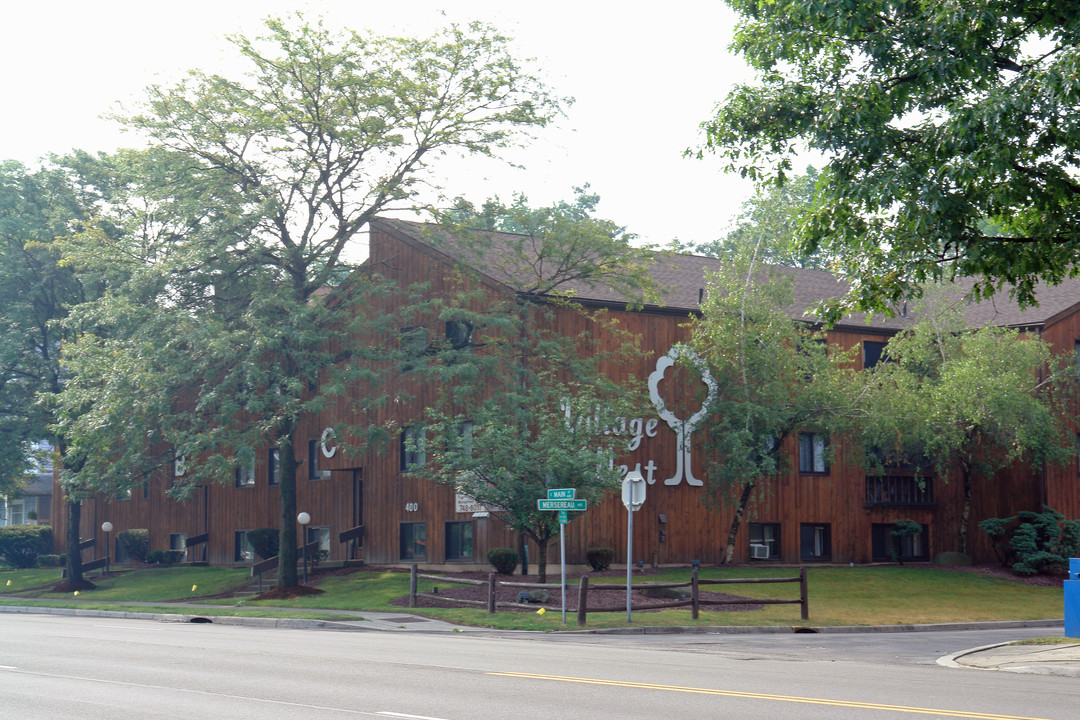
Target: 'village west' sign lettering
column 640, row 428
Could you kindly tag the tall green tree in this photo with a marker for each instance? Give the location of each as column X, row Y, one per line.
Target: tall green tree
column 934, row 116
column 775, row 377
column 36, row 293
column 253, row 209
column 525, row 407
column 956, row 401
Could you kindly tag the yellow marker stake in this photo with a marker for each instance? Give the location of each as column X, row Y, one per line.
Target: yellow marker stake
column 541, row 611
column 194, row 588
column 9, row 583
column 76, row 593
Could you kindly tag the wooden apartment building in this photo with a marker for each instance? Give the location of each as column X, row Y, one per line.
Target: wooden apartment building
column 367, row 508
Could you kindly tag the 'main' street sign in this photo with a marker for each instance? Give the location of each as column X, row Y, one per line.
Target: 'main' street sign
column 561, row 494
column 578, row 505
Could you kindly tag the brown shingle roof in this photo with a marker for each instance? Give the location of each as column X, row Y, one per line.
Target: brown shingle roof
column 682, row 278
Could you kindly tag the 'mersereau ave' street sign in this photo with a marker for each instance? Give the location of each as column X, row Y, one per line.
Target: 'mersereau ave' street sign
column 578, row 505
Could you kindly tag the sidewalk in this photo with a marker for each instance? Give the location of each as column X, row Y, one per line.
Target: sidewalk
column 1061, row 660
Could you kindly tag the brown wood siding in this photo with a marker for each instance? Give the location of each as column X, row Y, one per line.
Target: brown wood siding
column 696, row 527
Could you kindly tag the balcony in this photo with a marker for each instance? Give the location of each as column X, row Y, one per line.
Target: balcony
column 899, row 491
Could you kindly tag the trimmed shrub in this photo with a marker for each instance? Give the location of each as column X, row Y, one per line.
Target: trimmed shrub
column 51, row 561
column 164, row 557
column 504, row 560
column 599, row 558
column 264, row 541
column 134, row 543
column 20, row 545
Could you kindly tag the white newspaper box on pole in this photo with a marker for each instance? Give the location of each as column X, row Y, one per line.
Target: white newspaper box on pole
column 633, row 497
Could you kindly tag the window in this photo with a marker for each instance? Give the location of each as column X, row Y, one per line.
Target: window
column 18, row 512
column 459, row 540
column 245, row 470
column 313, row 456
column 242, row 549
column 764, row 541
column 413, row 447
column 273, row 467
column 465, row 437
column 178, row 541
column 459, row 334
column 886, row 546
column 812, row 448
column 899, row 491
column 815, row 542
column 413, row 541
column 873, row 353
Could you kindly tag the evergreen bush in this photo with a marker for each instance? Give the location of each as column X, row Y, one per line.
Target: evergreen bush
column 599, row 558
column 1034, row 542
column 20, row 545
column 504, row 560
column 134, row 543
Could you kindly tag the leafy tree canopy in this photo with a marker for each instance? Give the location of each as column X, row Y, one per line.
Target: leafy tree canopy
column 775, row 377
column 235, row 224
column 935, row 117
column 951, row 400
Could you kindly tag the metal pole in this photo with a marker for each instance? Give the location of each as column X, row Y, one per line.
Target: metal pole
column 305, row 562
column 562, row 560
column 629, row 553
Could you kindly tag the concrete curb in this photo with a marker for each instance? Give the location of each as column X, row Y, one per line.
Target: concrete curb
column 377, row 623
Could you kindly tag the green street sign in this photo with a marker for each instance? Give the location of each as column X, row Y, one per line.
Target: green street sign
column 561, row 494
column 563, row 517
column 576, row 505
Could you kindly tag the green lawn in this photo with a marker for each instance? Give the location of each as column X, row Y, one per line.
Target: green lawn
column 838, row 596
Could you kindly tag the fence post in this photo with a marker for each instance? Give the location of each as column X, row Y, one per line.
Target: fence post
column 693, row 594
column 804, row 596
column 412, row 585
column 582, row 600
column 491, row 593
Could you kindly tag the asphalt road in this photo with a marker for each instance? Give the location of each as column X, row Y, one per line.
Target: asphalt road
column 76, row 667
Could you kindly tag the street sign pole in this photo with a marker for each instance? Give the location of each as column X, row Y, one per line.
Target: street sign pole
column 633, row 496
column 562, row 561
column 629, row 555
column 562, row 500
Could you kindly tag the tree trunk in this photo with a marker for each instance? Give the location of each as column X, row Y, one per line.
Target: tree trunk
column 965, row 510
column 287, row 518
column 736, row 521
column 74, row 555
column 523, row 551
column 541, row 560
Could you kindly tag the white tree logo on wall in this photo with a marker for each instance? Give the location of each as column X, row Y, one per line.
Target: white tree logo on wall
column 683, row 427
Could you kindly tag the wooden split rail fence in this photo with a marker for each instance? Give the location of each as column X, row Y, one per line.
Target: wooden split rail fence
column 694, row 601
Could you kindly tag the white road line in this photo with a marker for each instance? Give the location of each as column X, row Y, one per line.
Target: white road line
column 412, row 717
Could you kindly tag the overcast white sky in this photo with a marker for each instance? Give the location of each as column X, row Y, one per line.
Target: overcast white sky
column 643, row 75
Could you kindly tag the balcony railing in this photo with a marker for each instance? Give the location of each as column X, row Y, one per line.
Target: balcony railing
column 899, row 491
